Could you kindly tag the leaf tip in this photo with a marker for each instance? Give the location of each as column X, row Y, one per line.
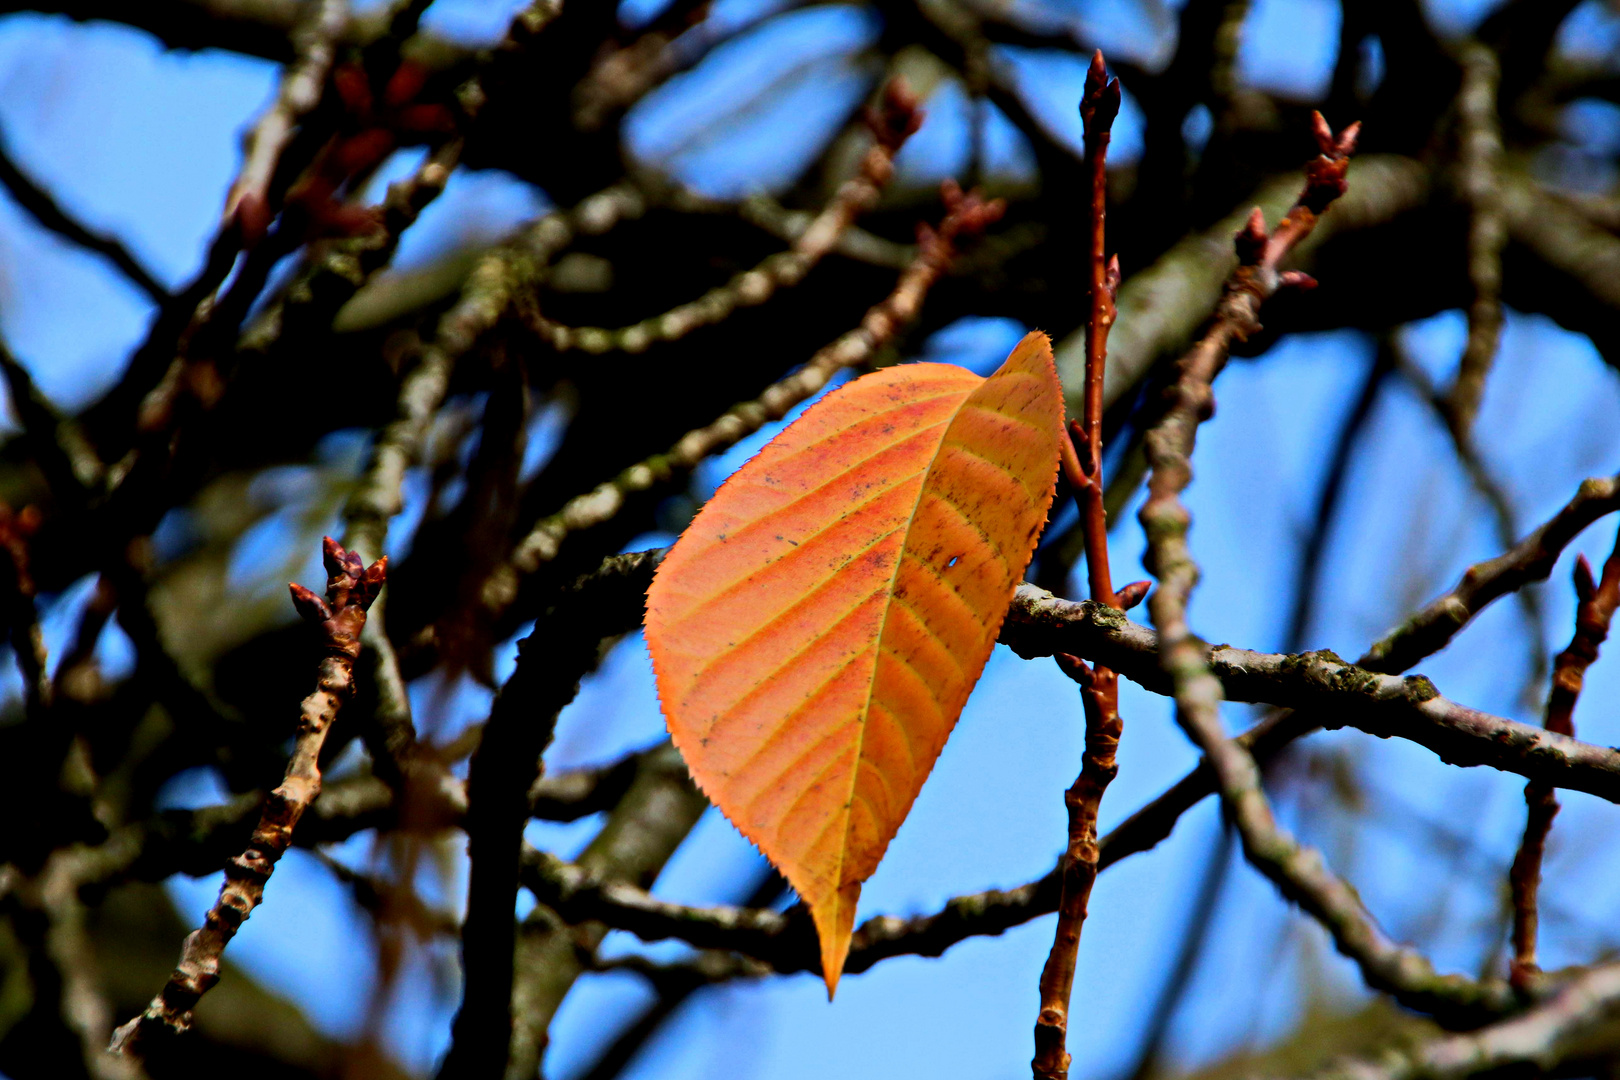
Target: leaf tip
column 835, row 924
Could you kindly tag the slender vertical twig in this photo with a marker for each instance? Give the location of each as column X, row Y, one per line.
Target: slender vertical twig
column 351, row 586
column 1099, row 685
column 1594, row 611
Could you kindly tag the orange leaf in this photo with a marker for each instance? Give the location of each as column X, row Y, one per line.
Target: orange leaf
column 818, row 627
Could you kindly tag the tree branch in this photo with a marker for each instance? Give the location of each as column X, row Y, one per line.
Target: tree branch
column 44, row 208
column 1099, row 686
column 350, row 589
column 1593, row 613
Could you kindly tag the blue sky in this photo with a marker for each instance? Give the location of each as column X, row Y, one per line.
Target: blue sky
column 143, row 143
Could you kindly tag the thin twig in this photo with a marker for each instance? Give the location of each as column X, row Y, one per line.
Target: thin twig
column 1531, row 560
column 44, row 208
column 351, row 587
column 1596, row 603
column 1099, row 686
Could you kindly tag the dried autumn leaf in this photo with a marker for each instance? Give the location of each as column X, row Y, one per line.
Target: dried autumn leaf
column 818, row 627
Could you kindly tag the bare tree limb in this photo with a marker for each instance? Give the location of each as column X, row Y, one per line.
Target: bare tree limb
column 1595, row 609
column 350, row 589
column 49, row 213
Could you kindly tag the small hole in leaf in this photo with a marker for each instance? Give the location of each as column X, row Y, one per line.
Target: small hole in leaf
column 953, row 562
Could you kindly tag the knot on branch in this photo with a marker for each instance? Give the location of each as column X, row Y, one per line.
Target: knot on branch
column 351, row 586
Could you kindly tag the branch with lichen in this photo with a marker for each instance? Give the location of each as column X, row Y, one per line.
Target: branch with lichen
column 1538, row 1040
column 1335, row 693
column 1297, row 871
column 351, row 587
column 1595, row 606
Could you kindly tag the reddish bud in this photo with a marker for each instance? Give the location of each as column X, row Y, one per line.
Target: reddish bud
column 1111, row 279
column 353, row 87
column 1296, row 279
column 1251, row 239
column 333, row 557
column 360, row 152
column 253, row 217
column 1096, row 73
column 406, row 82
column 897, row 116
column 1584, row 585
column 1131, row 595
column 425, row 120
column 1346, row 144
column 335, row 219
column 375, row 576
column 1100, row 103
column 1322, row 133
column 310, row 607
